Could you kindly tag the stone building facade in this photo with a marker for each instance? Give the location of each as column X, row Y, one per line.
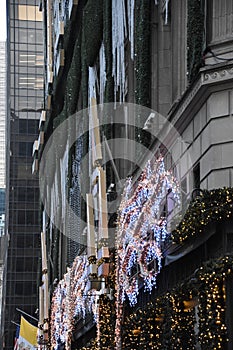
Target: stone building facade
column 175, row 60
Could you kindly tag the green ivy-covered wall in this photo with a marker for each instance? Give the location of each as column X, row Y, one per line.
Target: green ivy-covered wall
column 195, row 37
column 142, row 52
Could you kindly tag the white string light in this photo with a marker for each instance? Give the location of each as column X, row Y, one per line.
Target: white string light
column 71, row 299
column 142, row 227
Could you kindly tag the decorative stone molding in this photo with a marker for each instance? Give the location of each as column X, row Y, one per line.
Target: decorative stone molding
column 217, row 76
column 185, row 102
column 207, row 77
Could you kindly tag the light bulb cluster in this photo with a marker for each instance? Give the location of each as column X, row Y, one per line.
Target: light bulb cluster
column 190, row 315
column 209, row 206
column 142, row 228
column 71, row 299
column 140, row 234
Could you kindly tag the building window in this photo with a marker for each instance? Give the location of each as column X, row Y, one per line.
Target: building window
column 19, row 264
column 25, row 149
column 21, row 194
column 196, row 176
column 29, row 13
column 19, row 288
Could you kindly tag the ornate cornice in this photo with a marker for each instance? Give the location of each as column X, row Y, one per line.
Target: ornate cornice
column 185, row 102
column 209, row 80
column 217, row 76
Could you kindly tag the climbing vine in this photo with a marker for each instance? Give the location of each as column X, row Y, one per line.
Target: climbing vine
column 195, row 37
column 142, row 52
column 107, row 40
column 92, row 30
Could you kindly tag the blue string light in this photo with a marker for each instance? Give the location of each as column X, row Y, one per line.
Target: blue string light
column 142, row 228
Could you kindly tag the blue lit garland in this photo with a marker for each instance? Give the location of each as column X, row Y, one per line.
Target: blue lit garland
column 142, row 229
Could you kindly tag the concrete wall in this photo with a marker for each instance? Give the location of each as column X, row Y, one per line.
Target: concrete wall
column 168, row 56
column 208, row 139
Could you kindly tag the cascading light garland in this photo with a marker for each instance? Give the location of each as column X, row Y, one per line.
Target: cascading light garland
column 83, row 298
column 71, row 299
column 141, row 230
column 171, row 321
column 192, row 313
column 209, row 206
column 58, row 323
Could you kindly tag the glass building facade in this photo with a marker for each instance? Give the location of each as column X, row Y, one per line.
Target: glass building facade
column 2, row 201
column 2, row 112
column 25, row 89
column 2, row 210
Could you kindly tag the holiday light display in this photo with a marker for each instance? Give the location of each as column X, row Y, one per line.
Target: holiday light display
column 192, row 314
column 169, row 322
column 71, row 299
column 142, row 228
column 209, row 206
